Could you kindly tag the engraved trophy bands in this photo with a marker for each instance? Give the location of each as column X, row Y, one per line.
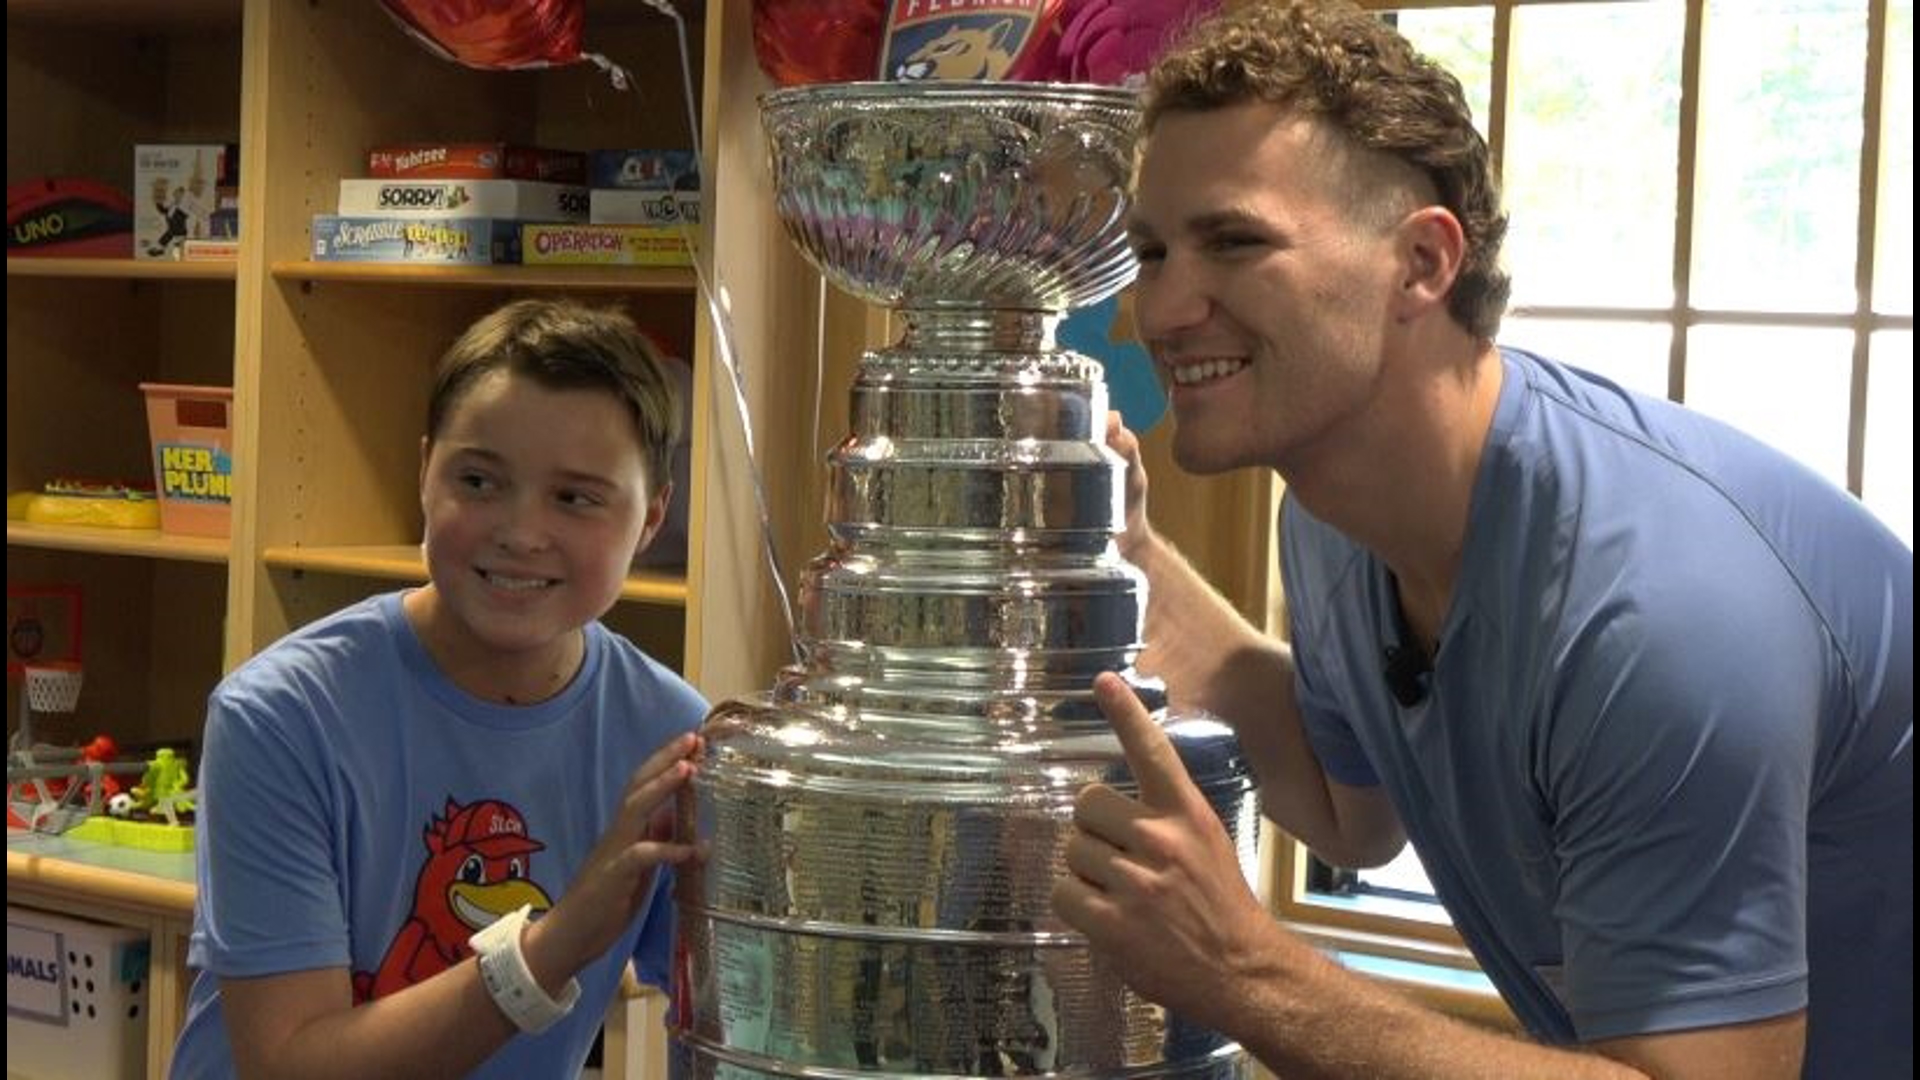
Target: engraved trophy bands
column 886, row 822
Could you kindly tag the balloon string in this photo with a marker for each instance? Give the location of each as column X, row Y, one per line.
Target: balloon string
column 615, row 73
column 686, row 72
column 717, row 311
column 819, row 367
column 718, row 307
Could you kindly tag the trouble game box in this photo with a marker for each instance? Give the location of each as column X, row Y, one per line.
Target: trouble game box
column 611, row 206
column 644, row 170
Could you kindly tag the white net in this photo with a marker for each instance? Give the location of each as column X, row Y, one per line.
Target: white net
column 53, row 689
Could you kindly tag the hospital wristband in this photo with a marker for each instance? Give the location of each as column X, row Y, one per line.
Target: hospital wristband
column 503, row 968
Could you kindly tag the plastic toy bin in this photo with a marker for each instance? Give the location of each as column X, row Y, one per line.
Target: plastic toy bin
column 76, row 998
column 192, row 432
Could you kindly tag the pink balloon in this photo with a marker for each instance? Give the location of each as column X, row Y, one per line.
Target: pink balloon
column 495, row 34
column 1115, row 41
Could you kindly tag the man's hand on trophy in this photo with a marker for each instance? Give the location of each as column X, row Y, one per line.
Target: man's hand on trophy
column 1124, row 442
column 1160, row 864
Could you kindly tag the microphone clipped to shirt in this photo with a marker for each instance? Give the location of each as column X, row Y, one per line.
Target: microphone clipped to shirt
column 1406, row 671
column 1407, row 664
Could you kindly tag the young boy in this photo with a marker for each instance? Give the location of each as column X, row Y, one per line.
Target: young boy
column 389, row 793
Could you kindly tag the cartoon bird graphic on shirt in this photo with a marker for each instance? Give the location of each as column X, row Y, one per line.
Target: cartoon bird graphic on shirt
column 476, row 871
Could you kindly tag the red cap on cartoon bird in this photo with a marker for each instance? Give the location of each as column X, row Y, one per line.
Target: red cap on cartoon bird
column 490, row 827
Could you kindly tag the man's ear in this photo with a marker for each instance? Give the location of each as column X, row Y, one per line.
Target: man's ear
column 656, row 517
column 1432, row 247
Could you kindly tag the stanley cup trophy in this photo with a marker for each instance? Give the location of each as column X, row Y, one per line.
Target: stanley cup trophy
column 887, row 822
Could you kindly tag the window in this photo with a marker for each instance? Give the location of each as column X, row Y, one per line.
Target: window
column 1711, row 200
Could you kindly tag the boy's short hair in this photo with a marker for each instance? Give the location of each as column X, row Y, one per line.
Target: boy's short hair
column 566, row 345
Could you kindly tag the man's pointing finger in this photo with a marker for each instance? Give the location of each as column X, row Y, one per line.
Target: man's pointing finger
column 1156, row 766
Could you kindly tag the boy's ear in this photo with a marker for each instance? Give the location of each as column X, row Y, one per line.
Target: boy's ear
column 426, row 445
column 656, row 517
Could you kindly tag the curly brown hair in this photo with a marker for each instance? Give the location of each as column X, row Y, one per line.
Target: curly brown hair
column 1333, row 62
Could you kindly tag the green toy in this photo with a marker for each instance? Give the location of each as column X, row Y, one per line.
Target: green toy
column 165, row 788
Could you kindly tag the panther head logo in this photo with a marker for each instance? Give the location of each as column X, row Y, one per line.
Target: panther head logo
column 962, row 52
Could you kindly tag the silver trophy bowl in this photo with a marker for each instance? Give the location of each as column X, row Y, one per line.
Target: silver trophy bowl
column 885, row 823
column 958, row 195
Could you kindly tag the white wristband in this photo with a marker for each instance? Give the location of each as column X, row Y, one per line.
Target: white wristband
column 503, row 968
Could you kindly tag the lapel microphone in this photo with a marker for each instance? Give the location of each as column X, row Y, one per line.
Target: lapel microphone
column 1406, row 670
column 1407, row 664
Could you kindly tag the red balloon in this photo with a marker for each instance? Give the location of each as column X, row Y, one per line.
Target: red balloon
column 495, row 34
column 1038, row 61
column 815, row 41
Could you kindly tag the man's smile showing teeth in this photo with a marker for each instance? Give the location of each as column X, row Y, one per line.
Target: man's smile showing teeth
column 515, row 584
column 1192, row 374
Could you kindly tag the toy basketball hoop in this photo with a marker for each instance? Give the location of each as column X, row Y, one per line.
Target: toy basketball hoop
column 53, row 687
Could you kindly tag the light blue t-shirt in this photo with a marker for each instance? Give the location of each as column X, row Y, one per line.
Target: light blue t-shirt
column 1662, row 776
column 360, row 810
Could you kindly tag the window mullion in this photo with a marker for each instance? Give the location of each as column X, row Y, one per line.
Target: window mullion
column 1498, row 94
column 1864, row 250
column 1687, row 179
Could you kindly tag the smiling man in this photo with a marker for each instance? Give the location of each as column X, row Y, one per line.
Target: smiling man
column 1637, row 688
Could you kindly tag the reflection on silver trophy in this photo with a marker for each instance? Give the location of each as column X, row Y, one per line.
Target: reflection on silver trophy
column 887, row 821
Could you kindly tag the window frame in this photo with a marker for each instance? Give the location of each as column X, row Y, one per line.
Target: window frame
column 1360, row 926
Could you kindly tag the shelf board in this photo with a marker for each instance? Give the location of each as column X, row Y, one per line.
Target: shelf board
column 147, row 543
column 122, row 15
column 581, row 278
column 151, row 269
column 402, row 562
column 151, row 881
